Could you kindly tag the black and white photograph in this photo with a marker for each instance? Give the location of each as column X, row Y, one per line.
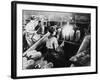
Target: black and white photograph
column 56, row 39
column 53, row 39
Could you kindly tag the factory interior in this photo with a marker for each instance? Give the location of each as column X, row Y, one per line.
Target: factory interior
column 55, row 39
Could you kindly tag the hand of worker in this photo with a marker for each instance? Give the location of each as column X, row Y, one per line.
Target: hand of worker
column 34, row 54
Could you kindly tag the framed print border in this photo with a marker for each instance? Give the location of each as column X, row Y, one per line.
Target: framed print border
column 14, row 38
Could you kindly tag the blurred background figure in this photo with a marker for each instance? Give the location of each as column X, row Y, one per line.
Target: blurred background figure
column 30, row 27
column 30, row 30
column 40, row 28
